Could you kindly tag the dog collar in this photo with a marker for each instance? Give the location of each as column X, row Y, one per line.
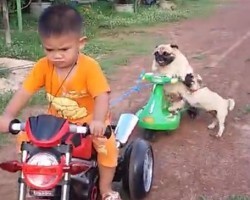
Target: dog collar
column 193, row 91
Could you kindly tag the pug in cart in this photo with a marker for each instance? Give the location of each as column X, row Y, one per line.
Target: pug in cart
column 170, row 61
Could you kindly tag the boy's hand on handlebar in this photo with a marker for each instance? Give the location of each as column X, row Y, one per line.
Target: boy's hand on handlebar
column 97, row 128
column 4, row 123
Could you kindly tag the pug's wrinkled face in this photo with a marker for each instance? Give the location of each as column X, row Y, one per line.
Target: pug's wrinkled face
column 193, row 82
column 165, row 54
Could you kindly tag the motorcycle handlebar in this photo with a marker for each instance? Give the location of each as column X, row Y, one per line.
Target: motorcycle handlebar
column 16, row 126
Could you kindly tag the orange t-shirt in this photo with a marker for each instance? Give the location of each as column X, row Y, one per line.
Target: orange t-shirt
column 74, row 99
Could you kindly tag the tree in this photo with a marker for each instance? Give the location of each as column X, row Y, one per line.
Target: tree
column 6, row 22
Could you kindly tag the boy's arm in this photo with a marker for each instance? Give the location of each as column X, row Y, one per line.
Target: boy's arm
column 99, row 89
column 18, row 101
column 101, row 107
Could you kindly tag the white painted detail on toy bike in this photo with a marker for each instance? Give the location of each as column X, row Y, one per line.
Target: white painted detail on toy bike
column 153, row 104
column 152, row 107
column 124, row 128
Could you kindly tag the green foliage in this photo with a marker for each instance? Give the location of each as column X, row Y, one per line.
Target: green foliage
column 239, row 197
column 4, row 72
column 60, row 1
column 12, row 5
column 104, row 17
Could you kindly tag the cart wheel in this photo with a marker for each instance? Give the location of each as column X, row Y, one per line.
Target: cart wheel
column 192, row 112
column 149, row 135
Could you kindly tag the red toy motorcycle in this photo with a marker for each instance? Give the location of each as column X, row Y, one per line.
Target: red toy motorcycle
column 59, row 162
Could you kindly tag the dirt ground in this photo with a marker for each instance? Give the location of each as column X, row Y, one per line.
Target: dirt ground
column 190, row 163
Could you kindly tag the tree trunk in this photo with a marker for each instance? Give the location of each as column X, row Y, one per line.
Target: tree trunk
column 6, row 23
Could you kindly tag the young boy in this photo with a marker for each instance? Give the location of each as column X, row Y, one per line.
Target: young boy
column 75, row 85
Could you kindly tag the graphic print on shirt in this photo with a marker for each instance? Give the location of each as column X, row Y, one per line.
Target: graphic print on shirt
column 66, row 107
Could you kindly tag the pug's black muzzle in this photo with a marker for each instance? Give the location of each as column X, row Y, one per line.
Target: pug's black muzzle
column 164, row 59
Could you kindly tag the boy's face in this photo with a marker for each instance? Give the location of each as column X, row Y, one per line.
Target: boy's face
column 62, row 50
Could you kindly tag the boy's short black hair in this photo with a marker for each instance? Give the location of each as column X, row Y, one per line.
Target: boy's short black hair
column 60, row 19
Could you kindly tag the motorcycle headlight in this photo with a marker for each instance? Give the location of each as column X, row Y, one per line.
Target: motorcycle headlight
column 42, row 171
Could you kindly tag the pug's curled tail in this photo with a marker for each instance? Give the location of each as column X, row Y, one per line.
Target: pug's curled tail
column 231, row 104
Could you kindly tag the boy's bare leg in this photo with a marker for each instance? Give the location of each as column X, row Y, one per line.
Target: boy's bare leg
column 106, row 178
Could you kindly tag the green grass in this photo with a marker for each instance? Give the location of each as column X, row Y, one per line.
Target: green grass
column 25, row 45
column 37, row 99
column 245, row 110
column 233, row 197
column 248, row 108
column 238, row 197
column 122, row 48
column 99, row 17
column 198, row 56
column 4, row 72
column 4, row 139
column 4, row 99
column 110, row 52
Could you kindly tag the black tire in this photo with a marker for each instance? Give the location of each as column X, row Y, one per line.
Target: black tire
column 93, row 191
column 89, row 191
column 125, row 178
column 141, row 155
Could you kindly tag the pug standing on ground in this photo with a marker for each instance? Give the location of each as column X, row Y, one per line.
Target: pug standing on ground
column 202, row 97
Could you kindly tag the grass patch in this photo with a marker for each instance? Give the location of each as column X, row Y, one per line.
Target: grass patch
column 233, row 197
column 4, row 99
column 4, row 139
column 238, row 197
column 202, row 198
column 99, row 17
column 37, row 99
column 101, row 14
column 25, row 45
column 117, row 52
column 4, row 72
column 110, row 51
column 245, row 110
column 198, row 56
